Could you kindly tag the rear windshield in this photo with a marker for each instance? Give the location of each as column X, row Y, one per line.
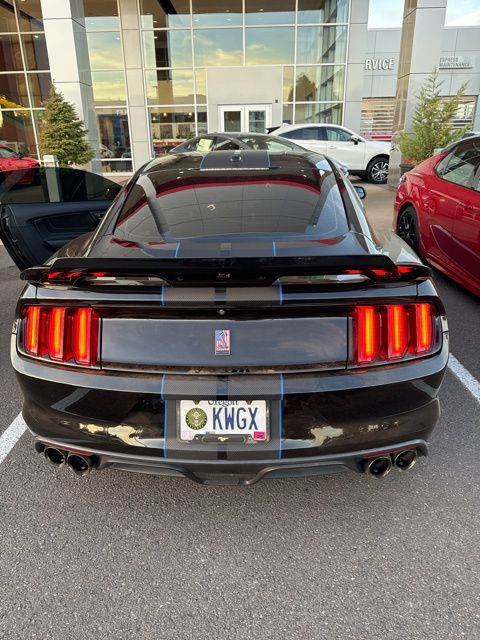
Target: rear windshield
column 165, row 205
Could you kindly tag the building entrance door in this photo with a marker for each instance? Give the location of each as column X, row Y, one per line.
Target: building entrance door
column 255, row 118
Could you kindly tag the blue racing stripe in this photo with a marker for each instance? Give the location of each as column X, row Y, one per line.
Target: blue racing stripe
column 177, row 249
column 280, row 425
column 165, row 416
column 274, row 249
column 162, row 300
column 281, row 293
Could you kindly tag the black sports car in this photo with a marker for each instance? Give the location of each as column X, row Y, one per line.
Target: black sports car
column 233, row 317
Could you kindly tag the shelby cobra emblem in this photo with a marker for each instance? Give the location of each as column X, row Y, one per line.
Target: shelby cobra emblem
column 196, row 419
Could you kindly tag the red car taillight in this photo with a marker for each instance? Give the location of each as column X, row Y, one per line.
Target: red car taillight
column 61, row 334
column 392, row 332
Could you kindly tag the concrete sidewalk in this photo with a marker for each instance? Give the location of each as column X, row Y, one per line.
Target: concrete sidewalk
column 378, row 204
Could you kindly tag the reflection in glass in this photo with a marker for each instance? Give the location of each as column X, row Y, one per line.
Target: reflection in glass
column 16, row 131
column 157, row 14
column 321, row 44
column 320, row 83
column 287, row 115
column 211, row 13
column 114, row 134
column 273, row 45
column 101, row 14
column 29, row 15
column 7, row 17
column 170, row 126
column 322, row 11
column 169, row 86
column 108, row 87
column 257, row 120
column 13, row 91
column 261, row 12
column 232, row 120
column 39, row 84
column 105, row 50
column 167, row 48
column 218, row 47
column 201, row 85
column 288, row 84
column 202, row 121
column 35, row 48
column 10, row 55
column 318, row 112
column 116, row 166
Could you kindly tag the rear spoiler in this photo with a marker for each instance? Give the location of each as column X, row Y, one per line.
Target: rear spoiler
column 223, row 271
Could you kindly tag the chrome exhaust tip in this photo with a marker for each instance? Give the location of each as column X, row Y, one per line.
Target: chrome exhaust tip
column 80, row 465
column 404, row 460
column 379, row 467
column 55, row 456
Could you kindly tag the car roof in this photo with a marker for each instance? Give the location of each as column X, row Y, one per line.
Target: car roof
column 236, row 161
column 473, row 138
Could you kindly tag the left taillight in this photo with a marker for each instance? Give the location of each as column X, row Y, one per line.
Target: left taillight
column 61, row 334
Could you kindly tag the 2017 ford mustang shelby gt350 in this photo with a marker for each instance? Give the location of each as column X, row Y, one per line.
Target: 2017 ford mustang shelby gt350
column 233, row 317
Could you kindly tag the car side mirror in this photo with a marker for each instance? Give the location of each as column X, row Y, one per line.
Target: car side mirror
column 355, row 139
column 361, row 193
column 21, row 155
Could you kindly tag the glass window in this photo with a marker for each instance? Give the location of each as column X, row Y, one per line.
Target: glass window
column 202, row 121
column 13, row 91
column 321, row 44
column 257, row 120
column 462, row 165
column 335, row 134
column 305, row 133
column 30, row 15
column 35, row 48
column 169, row 86
column 101, row 14
column 269, row 45
column 320, row 83
column 116, row 166
column 218, row 47
column 10, row 54
column 269, row 143
column 167, row 48
column 7, row 17
column 105, row 50
column 287, row 84
column 310, row 206
column 170, row 126
column 327, row 113
column 157, row 14
column 108, row 88
column 114, row 134
column 324, row 10
column 287, row 114
column 211, row 13
column 201, row 85
column 39, row 84
column 226, row 144
column 261, row 12
column 6, row 152
column 16, row 131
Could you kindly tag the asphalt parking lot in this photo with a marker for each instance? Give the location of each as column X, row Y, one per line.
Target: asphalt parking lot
column 117, row 555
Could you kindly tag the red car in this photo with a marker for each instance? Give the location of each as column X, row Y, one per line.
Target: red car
column 11, row 160
column 437, row 211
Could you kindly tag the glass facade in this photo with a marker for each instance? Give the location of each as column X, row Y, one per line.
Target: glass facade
column 24, row 74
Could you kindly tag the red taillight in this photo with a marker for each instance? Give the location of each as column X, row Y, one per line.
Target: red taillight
column 62, row 334
column 367, row 334
column 391, row 332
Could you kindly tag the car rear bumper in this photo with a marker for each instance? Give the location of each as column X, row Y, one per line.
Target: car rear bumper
column 318, row 422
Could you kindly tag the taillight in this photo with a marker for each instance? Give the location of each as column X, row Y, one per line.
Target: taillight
column 61, row 334
column 392, row 332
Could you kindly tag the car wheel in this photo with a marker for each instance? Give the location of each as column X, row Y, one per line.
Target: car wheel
column 377, row 171
column 407, row 227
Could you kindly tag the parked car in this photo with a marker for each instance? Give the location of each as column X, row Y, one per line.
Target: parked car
column 236, row 141
column 365, row 158
column 232, row 318
column 437, row 211
column 11, row 160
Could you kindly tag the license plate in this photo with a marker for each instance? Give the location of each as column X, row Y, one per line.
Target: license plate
column 235, row 420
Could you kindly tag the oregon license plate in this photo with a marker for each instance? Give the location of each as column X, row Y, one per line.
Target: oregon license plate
column 224, row 420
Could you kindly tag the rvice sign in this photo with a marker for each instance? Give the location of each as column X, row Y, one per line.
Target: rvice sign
column 379, row 64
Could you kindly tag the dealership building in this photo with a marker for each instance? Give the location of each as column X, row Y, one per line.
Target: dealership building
column 145, row 75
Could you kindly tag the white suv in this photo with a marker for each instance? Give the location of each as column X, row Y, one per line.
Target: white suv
column 365, row 158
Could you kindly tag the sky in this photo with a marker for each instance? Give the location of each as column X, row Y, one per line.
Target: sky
column 389, row 13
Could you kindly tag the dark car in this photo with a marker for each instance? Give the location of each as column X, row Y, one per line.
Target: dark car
column 232, row 318
column 437, row 211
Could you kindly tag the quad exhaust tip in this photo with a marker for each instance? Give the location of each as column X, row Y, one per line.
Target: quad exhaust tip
column 55, row 456
column 80, row 465
column 380, row 466
column 405, row 459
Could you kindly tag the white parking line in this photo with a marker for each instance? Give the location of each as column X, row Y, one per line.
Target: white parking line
column 465, row 377
column 10, row 437
column 15, row 431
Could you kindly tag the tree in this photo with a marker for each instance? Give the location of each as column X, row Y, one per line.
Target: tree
column 432, row 123
column 62, row 134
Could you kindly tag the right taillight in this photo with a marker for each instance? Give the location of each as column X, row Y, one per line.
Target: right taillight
column 61, row 334
column 392, row 332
